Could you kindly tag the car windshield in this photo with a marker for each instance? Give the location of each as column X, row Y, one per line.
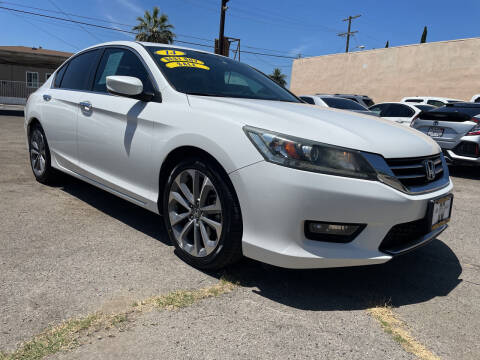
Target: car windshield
column 198, row 73
column 339, row 103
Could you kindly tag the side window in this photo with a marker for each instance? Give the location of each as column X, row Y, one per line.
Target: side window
column 78, row 73
column 378, row 108
column 59, row 76
column 414, row 100
column 307, row 99
column 435, row 103
column 398, row 110
column 123, row 62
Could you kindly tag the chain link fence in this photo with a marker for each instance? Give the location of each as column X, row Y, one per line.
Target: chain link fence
column 16, row 92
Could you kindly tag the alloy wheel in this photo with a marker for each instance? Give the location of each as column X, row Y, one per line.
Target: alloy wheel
column 195, row 213
column 38, row 153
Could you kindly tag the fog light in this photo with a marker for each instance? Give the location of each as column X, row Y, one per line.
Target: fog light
column 332, row 232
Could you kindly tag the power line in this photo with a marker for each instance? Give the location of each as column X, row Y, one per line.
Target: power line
column 125, row 31
column 80, row 26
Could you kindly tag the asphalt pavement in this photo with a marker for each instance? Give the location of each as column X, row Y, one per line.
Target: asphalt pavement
column 71, row 250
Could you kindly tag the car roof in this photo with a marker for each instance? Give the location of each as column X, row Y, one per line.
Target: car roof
column 464, row 104
column 143, row 43
column 430, row 98
column 362, row 96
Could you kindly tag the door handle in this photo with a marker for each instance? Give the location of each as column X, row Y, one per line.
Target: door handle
column 85, row 106
column 47, row 97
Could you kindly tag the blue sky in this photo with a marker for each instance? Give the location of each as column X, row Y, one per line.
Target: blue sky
column 290, row 28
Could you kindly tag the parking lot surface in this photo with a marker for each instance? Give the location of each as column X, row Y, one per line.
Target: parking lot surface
column 70, row 250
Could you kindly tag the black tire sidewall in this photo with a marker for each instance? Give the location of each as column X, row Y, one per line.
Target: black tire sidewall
column 47, row 174
column 215, row 175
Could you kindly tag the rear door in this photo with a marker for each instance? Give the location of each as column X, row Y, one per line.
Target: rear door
column 114, row 135
column 445, row 125
column 61, row 105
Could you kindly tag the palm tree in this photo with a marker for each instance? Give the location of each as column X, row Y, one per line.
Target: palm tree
column 278, row 77
column 154, row 28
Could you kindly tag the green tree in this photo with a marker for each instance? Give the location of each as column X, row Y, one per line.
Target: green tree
column 424, row 36
column 387, row 44
column 154, row 27
column 278, row 77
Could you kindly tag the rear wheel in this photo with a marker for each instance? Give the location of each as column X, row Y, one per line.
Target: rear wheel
column 40, row 156
column 202, row 215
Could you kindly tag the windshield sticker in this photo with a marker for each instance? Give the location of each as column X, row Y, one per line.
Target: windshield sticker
column 170, row 52
column 181, row 59
column 177, row 64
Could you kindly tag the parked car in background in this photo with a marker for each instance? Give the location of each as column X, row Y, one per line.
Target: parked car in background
column 337, row 103
column 430, row 100
column 456, row 128
column 363, row 100
column 237, row 165
column 402, row 113
column 475, row 98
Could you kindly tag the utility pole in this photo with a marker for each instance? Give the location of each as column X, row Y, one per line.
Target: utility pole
column 221, row 38
column 349, row 32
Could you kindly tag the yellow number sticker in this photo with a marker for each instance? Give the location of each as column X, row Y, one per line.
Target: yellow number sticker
column 176, row 64
column 181, row 59
column 170, row 52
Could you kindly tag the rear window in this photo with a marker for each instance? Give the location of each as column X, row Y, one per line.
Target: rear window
column 463, row 110
column 436, row 103
column 425, row 107
column 339, row 103
column 307, row 99
column 368, row 102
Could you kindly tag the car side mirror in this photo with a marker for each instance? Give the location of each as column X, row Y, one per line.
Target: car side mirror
column 127, row 86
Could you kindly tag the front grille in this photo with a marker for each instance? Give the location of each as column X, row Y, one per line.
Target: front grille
column 412, row 171
column 401, row 236
column 468, row 149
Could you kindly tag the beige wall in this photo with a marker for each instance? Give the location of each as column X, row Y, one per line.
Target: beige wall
column 447, row 69
column 18, row 72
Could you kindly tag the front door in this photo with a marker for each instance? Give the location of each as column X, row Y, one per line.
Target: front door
column 114, row 137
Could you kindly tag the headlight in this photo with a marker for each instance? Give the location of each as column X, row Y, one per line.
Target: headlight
column 309, row 155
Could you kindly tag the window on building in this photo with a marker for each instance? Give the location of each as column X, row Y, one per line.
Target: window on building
column 32, row 79
column 47, row 75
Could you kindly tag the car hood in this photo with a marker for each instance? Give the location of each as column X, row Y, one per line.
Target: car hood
column 326, row 125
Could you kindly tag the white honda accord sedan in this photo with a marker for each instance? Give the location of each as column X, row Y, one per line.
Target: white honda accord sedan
column 237, row 165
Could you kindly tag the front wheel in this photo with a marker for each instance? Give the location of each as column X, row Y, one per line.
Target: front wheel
column 202, row 215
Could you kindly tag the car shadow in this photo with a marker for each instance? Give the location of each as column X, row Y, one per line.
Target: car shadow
column 416, row 277
column 130, row 214
column 431, row 271
column 466, row 172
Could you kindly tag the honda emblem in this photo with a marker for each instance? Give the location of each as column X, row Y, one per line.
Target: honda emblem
column 429, row 169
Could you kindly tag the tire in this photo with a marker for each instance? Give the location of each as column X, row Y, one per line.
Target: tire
column 193, row 226
column 39, row 154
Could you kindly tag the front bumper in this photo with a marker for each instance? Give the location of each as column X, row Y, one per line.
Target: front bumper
column 276, row 201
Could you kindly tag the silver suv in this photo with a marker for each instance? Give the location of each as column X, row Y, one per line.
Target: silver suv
column 456, row 128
